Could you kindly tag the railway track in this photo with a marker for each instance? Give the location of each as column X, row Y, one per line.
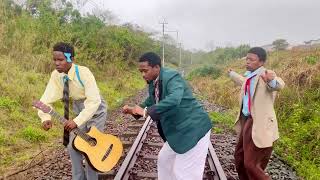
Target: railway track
column 55, row 163
column 142, row 143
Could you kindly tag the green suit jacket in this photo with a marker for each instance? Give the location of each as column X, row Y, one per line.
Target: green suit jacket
column 181, row 119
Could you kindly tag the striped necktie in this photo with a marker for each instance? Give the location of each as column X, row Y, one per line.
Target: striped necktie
column 65, row 99
column 156, row 90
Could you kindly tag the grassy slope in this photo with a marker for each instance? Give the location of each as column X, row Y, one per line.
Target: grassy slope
column 297, row 106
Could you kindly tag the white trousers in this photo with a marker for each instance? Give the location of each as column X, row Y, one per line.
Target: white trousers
column 187, row 166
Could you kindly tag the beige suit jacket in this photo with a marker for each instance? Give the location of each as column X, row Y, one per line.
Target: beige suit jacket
column 265, row 125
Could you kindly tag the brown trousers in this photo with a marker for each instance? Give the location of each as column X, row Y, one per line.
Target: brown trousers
column 250, row 160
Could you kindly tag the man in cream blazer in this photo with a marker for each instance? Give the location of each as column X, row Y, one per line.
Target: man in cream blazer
column 256, row 123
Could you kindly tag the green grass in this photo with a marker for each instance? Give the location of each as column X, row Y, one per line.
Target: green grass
column 33, row 134
column 312, row 59
column 7, row 103
column 3, row 137
column 300, row 136
column 222, row 121
column 120, row 87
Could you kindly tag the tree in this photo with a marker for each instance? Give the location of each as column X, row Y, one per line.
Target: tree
column 280, row 44
column 105, row 15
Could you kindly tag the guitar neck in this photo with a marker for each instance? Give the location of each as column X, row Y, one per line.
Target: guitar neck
column 57, row 116
column 77, row 131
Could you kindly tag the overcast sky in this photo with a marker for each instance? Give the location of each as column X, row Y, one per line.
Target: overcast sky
column 204, row 23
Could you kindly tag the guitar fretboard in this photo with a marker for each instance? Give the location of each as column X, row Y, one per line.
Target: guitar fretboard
column 77, row 131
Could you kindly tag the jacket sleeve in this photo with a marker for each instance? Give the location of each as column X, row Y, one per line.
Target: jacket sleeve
column 93, row 99
column 147, row 103
column 175, row 89
column 237, row 78
column 278, row 85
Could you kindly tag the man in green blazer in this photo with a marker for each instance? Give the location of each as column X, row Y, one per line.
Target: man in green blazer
column 182, row 122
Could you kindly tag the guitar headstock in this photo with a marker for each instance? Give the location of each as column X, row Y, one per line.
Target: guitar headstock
column 40, row 105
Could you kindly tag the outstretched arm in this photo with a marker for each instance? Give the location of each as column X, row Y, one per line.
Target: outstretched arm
column 273, row 82
column 236, row 78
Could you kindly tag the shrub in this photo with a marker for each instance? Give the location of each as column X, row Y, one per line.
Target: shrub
column 210, row 71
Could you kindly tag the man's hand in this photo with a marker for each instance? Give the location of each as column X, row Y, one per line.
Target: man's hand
column 268, row 76
column 137, row 110
column 69, row 125
column 46, row 125
column 127, row 109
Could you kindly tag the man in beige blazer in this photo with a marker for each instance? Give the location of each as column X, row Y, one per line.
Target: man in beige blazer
column 256, row 123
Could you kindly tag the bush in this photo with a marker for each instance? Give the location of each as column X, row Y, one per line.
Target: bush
column 211, row 71
column 300, row 136
column 311, row 59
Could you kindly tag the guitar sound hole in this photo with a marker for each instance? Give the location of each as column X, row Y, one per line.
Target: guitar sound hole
column 92, row 142
column 107, row 153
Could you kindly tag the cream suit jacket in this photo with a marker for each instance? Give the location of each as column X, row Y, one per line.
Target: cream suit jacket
column 265, row 125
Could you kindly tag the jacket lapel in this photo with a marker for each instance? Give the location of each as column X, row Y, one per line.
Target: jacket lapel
column 257, row 79
column 151, row 92
column 160, row 90
column 255, row 83
column 242, row 93
column 161, row 86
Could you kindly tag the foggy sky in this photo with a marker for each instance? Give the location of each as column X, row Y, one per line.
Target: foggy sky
column 203, row 24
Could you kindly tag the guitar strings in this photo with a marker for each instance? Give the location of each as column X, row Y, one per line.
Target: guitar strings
column 77, row 131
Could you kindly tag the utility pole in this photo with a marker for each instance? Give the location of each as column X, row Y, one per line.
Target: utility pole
column 177, row 38
column 163, row 23
column 177, row 41
column 180, row 56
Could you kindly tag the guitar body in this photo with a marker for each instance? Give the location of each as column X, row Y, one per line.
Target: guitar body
column 105, row 154
column 102, row 151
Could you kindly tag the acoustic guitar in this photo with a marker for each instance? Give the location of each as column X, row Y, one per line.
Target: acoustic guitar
column 102, row 151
